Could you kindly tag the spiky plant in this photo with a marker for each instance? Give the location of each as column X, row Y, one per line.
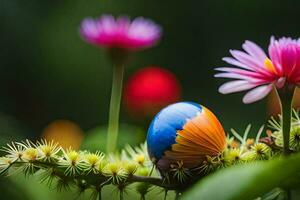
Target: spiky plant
column 132, row 167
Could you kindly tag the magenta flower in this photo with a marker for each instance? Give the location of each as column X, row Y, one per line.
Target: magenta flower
column 257, row 72
column 109, row 32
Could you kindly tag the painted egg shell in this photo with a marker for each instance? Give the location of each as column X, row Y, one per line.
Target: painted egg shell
column 184, row 132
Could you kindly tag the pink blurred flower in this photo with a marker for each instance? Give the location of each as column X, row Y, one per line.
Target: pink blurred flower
column 109, row 32
column 257, row 72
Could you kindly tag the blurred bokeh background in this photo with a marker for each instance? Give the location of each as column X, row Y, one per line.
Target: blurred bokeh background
column 52, row 82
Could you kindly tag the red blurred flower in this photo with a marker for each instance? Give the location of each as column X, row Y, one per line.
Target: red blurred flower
column 149, row 90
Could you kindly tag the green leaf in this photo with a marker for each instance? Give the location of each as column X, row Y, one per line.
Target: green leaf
column 248, row 181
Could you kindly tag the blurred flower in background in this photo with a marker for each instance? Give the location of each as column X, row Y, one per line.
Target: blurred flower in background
column 65, row 133
column 119, row 36
column 108, row 32
column 150, row 89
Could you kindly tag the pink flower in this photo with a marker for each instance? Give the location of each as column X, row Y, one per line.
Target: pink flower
column 257, row 72
column 109, row 32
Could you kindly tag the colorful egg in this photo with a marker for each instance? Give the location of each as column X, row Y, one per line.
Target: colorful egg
column 184, row 132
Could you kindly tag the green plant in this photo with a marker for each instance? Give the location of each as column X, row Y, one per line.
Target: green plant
column 245, row 157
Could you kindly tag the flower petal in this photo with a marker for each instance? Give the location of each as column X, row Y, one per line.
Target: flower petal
column 238, row 76
column 233, row 61
column 257, row 93
column 280, row 82
column 230, row 75
column 254, row 50
column 236, row 86
column 246, row 73
column 246, row 59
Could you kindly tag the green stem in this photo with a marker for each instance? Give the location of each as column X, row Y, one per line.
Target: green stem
column 153, row 181
column 114, row 108
column 100, row 193
column 97, row 180
column 166, row 194
column 286, row 99
column 121, row 194
column 151, row 171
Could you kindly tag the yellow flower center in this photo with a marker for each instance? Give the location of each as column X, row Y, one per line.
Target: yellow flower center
column 30, row 154
column 46, row 150
column 140, row 159
column 129, row 167
column 92, row 159
column 113, row 168
column 73, row 156
column 269, row 65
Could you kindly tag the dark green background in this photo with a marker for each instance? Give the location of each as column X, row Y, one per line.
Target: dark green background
column 47, row 72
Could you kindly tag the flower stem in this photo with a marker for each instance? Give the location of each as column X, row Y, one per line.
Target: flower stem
column 121, row 195
column 99, row 193
column 286, row 99
column 114, row 108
